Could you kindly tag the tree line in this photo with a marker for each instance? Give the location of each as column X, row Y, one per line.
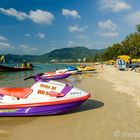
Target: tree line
column 129, row 46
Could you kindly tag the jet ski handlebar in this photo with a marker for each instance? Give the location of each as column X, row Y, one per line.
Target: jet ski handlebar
column 34, row 76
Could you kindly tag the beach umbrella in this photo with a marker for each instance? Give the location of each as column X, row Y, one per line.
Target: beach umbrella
column 111, row 62
column 134, row 60
column 124, row 57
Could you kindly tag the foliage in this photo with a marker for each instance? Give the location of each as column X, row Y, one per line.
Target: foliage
column 70, row 55
column 129, row 46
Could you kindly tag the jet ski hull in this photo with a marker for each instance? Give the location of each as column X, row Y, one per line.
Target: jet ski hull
column 39, row 110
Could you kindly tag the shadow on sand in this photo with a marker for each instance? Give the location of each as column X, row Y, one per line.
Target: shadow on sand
column 88, row 105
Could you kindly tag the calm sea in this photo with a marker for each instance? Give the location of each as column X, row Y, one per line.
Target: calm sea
column 16, row 79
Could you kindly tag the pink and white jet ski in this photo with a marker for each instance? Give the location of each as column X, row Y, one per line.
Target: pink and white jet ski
column 55, row 75
column 42, row 98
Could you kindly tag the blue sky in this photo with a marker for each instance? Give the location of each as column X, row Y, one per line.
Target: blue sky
column 40, row 26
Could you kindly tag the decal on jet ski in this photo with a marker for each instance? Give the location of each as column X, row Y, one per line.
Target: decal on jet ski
column 48, row 87
column 41, row 92
column 8, row 110
column 73, row 93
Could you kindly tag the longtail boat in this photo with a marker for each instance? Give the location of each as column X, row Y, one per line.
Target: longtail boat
column 10, row 68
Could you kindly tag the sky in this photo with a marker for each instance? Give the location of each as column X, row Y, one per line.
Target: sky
column 40, row 26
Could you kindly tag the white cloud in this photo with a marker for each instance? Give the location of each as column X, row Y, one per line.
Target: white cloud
column 133, row 18
column 108, row 24
column 114, row 5
column 38, row 16
column 21, row 49
column 76, row 28
column 2, row 38
column 109, row 34
column 71, row 13
column 27, row 49
column 14, row 13
column 42, row 17
column 27, row 35
column 108, row 28
column 40, row 35
column 121, row 6
column 4, row 45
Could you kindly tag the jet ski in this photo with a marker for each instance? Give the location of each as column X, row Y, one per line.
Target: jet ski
column 54, row 75
column 42, row 98
column 84, row 68
column 69, row 70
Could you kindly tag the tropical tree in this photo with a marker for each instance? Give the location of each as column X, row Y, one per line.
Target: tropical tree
column 129, row 46
column 138, row 28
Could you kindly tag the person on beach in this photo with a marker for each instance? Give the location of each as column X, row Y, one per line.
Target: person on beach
column 130, row 61
column 29, row 65
column 102, row 66
column 2, row 59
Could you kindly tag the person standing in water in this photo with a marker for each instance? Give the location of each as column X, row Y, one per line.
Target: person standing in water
column 24, row 64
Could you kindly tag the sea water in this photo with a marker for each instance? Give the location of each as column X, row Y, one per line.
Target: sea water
column 16, row 79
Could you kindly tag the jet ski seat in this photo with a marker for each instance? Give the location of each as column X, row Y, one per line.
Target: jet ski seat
column 16, row 92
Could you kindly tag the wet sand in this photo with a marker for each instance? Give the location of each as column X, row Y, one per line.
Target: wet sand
column 109, row 114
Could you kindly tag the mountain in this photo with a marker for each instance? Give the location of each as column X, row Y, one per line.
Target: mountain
column 12, row 58
column 69, row 54
column 58, row 55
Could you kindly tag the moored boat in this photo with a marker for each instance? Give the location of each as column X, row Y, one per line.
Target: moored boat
column 10, row 68
column 85, row 68
column 69, row 70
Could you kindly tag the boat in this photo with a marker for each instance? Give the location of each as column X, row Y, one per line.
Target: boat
column 43, row 98
column 69, row 70
column 84, row 68
column 10, row 68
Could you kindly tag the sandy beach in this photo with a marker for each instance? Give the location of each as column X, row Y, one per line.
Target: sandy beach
column 112, row 112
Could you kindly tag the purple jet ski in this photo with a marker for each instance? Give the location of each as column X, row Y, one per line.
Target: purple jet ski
column 43, row 98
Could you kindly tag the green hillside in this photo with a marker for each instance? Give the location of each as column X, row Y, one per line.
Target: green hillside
column 58, row 55
column 69, row 54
